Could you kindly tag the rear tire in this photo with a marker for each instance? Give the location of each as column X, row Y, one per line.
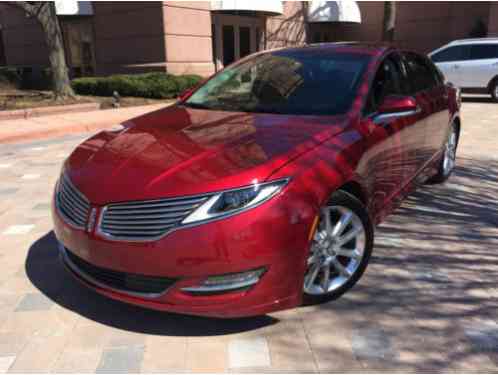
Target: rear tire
column 448, row 161
column 493, row 90
column 340, row 249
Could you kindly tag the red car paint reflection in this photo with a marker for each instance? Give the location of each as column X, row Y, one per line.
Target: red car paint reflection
column 187, row 152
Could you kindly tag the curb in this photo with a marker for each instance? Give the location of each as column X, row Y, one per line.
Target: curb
column 87, row 125
column 61, row 131
column 46, row 111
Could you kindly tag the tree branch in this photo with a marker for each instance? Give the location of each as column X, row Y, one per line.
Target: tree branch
column 30, row 7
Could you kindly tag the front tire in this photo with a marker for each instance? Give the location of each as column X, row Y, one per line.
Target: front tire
column 340, row 249
column 448, row 160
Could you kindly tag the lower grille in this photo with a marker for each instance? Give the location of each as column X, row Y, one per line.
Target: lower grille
column 121, row 281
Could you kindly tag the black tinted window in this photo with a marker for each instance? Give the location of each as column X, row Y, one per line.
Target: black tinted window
column 483, row 51
column 388, row 81
column 420, row 73
column 456, row 53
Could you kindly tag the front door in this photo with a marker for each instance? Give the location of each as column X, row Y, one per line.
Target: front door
column 235, row 37
column 388, row 163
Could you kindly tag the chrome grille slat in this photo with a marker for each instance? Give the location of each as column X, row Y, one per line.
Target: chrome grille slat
column 141, row 222
column 164, row 213
column 75, row 191
column 82, row 204
column 157, row 205
column 146, row 220
column 71, row 204
column 138, row 226
column 126, row 216
column 71, row 212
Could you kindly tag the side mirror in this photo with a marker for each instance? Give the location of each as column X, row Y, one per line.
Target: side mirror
column 396, row 106
column 185, row 94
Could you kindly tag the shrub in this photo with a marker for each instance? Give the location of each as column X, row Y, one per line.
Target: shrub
column 149, row 85
column 10, row 76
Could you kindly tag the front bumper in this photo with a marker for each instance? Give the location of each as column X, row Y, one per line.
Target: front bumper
column 273, row 236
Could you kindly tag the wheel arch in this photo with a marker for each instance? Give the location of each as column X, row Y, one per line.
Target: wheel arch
column 355, row 189
column 491, row 82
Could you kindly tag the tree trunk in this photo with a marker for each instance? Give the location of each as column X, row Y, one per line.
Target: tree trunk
column 389, row 21
column 53, row 37
column 46, row 15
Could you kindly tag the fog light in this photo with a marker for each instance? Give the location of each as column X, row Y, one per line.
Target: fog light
column 227, row 282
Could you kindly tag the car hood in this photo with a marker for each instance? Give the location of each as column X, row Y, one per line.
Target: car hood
column 180, row 151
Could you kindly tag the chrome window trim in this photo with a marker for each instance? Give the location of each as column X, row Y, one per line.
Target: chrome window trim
column 110, row 237
column 379, row 118
column 89, row 279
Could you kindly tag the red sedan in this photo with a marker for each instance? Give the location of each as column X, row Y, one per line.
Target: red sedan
column 260, row 189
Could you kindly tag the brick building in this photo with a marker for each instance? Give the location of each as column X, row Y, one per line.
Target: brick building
column 200, row 37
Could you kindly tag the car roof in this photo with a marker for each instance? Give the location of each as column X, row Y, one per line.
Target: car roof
column 465, row 42
column 341, row 47
column 473, row 41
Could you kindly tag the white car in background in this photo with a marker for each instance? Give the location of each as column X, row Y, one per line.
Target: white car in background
column 470, row 64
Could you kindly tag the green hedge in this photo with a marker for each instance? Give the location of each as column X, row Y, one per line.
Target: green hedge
column 149, row 85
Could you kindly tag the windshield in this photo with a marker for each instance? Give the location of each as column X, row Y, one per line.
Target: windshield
column 286, row 82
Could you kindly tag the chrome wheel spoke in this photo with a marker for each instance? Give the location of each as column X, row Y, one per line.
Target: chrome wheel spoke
column 313, row 273
column 348, row 253
column 314, row 258
column 327, row 219
column 326, row 278
column 343, row 271
column 339, row 226
column 343, row 222
column 348, row 236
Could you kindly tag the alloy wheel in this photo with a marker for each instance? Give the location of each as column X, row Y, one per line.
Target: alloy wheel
column 450, row 153
column 337, row 249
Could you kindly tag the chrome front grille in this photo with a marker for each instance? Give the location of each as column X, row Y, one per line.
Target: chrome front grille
column 72, row 205
column 146, row 220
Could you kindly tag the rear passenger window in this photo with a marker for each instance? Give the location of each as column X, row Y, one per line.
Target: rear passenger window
column 421, row 75
column 483, row 51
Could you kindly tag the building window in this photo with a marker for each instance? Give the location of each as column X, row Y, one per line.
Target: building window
column 244, row 41
column 228, row 44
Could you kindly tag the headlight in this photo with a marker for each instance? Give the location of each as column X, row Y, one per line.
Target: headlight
column 231, row 202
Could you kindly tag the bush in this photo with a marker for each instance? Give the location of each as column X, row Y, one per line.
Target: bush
column 149, row 85
column 10, row 76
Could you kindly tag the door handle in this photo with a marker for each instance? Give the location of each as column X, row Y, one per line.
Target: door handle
column 456, row 66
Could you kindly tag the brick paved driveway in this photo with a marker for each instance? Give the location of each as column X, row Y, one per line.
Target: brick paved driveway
column 428, row 302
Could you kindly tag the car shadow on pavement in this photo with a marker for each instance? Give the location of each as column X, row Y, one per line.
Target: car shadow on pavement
column 47, row 273
column 429, row 298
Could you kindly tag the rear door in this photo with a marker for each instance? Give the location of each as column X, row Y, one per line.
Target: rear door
column 450, row 60
column 429, row 90
column 481, row 67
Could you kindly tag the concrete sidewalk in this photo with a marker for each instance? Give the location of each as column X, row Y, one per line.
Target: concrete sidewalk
column 22, row 130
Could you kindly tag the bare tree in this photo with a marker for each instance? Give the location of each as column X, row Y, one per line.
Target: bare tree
column 44, row 12
column 389, row 21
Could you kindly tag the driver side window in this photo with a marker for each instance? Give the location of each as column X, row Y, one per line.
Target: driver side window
column 387, row 81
